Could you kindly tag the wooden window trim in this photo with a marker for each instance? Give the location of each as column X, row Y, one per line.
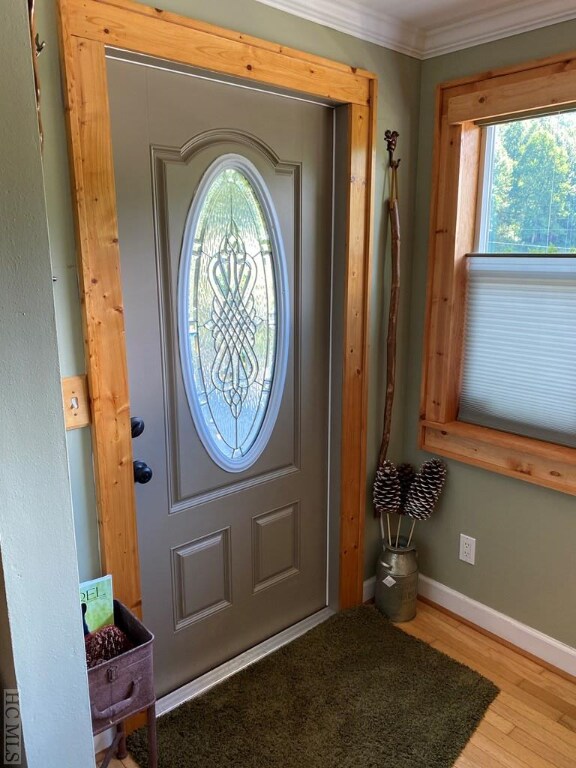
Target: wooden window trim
column 460, row 104
column 86, row 28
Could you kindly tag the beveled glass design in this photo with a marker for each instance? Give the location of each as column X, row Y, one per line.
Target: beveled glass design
column 233, row 324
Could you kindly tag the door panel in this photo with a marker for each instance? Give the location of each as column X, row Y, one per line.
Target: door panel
column 228, row 558
column 194, row 472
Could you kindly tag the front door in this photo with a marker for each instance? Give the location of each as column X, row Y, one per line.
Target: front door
column 224, row 198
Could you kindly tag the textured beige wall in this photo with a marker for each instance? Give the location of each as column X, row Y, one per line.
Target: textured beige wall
column 525, row 564
column 399, row 77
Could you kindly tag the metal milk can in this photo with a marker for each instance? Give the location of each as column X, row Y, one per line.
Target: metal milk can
column 397, row 583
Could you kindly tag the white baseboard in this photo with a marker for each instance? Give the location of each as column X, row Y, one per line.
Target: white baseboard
column 521, row 635
column 369, row 589
column 103, row 740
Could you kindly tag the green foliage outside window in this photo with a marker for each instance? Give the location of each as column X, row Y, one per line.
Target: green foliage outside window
column 532, row 200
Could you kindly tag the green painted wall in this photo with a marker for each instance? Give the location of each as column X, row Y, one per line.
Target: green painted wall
column 66, row 298
column 7, row 672
column 525, row 533
column 399, row 78
column 525, row 564
column 39, row 610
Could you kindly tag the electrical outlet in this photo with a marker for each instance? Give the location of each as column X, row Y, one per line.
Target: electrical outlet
column 467, row 549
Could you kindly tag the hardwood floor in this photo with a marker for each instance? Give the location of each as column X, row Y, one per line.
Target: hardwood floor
column 532, row 722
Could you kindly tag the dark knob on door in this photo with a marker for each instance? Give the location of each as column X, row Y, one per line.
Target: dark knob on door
column 142, row 472
column 137, row 426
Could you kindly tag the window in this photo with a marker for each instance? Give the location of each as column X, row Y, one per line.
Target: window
column 528, row 186
column 233, row 313
column 519, row 367
column 499, row 384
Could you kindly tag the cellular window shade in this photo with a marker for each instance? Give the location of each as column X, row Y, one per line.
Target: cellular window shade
column 519, row 371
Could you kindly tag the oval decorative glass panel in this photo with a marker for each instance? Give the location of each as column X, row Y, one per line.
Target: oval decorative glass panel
column 233, row 313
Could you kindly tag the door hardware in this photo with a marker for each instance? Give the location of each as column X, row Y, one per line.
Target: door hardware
column 137, row 426
column 142, row 472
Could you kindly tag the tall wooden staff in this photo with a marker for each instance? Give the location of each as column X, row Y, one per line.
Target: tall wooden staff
column 391, row 139
column 37, row 48
column 386, row 486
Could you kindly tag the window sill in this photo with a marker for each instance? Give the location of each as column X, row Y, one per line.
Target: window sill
column 524, row 458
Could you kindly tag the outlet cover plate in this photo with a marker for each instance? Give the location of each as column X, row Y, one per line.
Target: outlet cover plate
column 467, row 549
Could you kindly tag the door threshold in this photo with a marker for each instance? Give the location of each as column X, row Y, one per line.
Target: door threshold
column 219, row 674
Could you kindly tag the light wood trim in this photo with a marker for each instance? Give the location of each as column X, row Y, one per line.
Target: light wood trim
column 101, row 289
column 430, row 317
column 353, row 479
column 361, row 152
column 535, row 461
column 452, row 227
column 454, row 233
column 467, row 191
column 510, row 98
column 76, row 402
column 205, row 48
column 560, row 62
column 550, row 451
column 86, row 27
column 229, row 34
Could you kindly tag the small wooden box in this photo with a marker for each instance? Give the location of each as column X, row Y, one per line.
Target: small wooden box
column 124, row 685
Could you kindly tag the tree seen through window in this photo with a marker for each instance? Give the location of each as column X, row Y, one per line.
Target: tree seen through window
column 532, row 197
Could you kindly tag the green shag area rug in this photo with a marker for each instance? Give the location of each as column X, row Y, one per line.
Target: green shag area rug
column 355, row 692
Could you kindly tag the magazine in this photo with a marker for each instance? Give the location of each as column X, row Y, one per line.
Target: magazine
column 96, row 599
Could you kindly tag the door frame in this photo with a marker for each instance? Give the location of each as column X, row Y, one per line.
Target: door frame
column 87, row 27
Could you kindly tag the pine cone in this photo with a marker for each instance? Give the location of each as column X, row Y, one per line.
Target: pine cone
column 105, row 644
column 406, row 474
column 425, row 489
column 386, row 492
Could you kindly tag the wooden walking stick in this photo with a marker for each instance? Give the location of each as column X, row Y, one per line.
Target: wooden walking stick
column 37, row 48
column 391, row 139
column 386, row 491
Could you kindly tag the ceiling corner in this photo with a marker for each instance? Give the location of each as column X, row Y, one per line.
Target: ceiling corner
column 486, row 26
column 356, row 19
column 433, row 29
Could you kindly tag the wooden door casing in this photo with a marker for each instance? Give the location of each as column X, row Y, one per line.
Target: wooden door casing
column 86, row 27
